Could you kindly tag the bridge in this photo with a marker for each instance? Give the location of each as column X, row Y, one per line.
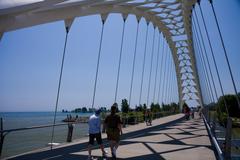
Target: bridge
column 182, row 53
column 168, row 138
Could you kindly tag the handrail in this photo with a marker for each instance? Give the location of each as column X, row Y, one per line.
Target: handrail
column 3, row 133
column 33, row 127
column 61, row 124
column 219, row 151
column 223, row 153
column 7, row 131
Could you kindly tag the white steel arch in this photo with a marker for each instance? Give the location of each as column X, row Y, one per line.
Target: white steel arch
column 172, row 17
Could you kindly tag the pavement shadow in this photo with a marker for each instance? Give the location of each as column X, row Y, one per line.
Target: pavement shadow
column 126, row 139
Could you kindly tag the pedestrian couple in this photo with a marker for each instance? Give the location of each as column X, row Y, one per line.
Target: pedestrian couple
column 112, row 125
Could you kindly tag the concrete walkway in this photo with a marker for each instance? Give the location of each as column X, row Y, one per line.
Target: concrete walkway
column 170, row 138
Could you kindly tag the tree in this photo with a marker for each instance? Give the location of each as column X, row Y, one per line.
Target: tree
column 91, row 110
column 103, row 109
column 84, row 109
column 139, row 108
column 175, row 107
column 155, row 107
column 77, row 110
column 124, row 106
column 232, row 105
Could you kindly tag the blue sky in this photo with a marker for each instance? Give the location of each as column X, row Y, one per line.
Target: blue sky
column 228, row 14
column 30, row 61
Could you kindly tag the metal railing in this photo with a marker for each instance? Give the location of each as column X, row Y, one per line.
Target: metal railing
column 221, row 136
column 126, row 121
column 4, row 133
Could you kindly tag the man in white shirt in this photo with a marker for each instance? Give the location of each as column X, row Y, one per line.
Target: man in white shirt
column 95, row 132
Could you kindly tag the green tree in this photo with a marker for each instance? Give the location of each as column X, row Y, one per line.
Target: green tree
column 124, row 106
column 91, row 110
column 175, row 107
column 155, row 107
column 232, row 106
column 84, row 109
column 103, row 109
column 139, row 108
column 77, row 110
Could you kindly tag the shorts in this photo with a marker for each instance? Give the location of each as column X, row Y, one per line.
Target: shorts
column 93, row 136
column 113, row 134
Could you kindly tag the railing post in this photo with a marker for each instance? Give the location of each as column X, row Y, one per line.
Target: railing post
column 228, row 138
column 206, row 114
column 70, row 132
column 209, row 115
column 213, row 128
column 2, row 137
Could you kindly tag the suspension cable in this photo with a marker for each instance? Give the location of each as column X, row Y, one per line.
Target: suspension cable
column 205, row 73
column 176, row 83
column 166, row 80
column 203, row 60
column 156, row 71
column 59, row 86
column 167, row 77
column 225, row 53
column 205, row 52
column 214, row 86
column 161, row 70
column 174, row 80
column 169, row 80
column 144, row 61
column 164, row 74
column 204, row 65
column 98, row 61
column 120, row 59
column 214, row 60
column 171, row 85
column 133, row 66
column 201, row 66
column 150, row 75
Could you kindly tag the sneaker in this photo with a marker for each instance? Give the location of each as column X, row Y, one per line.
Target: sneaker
column 90, row 158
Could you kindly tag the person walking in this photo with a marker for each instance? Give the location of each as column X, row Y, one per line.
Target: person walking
column 148, row 118
column 95, row 132
column 186, row 111
column 113, row 127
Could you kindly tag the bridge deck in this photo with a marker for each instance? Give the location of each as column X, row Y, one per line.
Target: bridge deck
column 168, row 138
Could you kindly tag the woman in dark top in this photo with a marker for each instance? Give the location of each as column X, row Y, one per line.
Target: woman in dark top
column 113, row 126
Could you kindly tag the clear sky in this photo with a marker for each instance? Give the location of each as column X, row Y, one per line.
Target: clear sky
column 30, row 61
column 228, row 14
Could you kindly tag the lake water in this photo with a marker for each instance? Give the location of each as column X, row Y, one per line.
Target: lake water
column 23, row 141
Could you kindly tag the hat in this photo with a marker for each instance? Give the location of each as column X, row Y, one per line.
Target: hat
column 98, row 111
